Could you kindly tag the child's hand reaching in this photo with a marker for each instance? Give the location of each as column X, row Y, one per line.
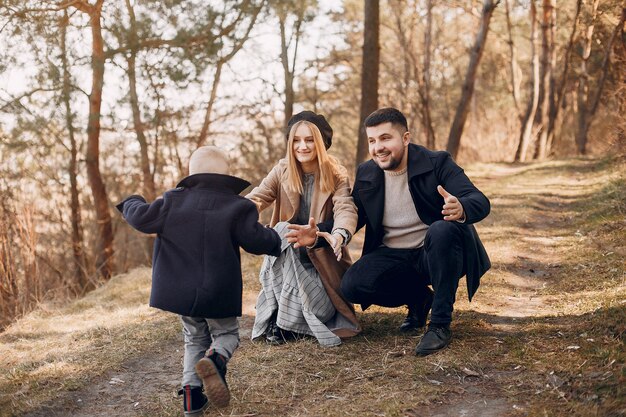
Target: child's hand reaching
column 302, row 235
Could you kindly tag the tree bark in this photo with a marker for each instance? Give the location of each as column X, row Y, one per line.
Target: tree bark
column 289, row 68
column 583, row 84
column 104, row 246
column 80, row 283
column 425, row 95
column 411, row 67
column 456, row 131
column 531, row 109
column 514, row 66
column 560, row 89
column 369, row 73
column 149, row 188
column 546, row 84
column 587, row 111
column 206, row 124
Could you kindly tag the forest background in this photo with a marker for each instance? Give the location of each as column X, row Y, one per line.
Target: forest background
column 100, row 99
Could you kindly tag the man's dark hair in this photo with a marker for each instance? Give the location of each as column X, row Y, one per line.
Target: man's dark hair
column 387, row 114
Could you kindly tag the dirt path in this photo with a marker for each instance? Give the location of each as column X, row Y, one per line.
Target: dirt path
column 526, row 236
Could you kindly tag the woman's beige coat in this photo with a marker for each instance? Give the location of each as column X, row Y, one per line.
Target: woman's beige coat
column 324, row 206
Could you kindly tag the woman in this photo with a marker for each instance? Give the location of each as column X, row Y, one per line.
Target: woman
column 300, row 288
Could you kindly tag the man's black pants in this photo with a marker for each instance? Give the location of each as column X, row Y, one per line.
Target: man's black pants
column 393, row 277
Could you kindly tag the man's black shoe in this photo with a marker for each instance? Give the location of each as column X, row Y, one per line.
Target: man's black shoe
column 435, row 339
column 418, row 313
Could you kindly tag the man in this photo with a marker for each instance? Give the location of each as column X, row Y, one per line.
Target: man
column 418, row 207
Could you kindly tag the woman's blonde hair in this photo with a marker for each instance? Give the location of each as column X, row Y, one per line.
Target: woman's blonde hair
column 327, row 165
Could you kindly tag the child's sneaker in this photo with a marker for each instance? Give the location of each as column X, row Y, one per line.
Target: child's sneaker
column 194, row 401
column 212, row 370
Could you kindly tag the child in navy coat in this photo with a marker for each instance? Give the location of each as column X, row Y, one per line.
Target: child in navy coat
column 201, row 226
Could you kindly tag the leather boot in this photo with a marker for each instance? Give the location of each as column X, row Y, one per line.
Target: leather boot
column 194, row 401
column 212, row 370
column 418, row 313
column 436, row 338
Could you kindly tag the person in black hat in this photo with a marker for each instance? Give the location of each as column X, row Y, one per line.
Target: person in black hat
column 300, row 288
column 318, row 120
column 418, row 208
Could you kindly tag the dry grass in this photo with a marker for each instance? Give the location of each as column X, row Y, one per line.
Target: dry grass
column 544, row 335
column 56, row 349
column 561, row 263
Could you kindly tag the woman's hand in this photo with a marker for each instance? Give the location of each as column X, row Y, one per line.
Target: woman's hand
column 335, row 241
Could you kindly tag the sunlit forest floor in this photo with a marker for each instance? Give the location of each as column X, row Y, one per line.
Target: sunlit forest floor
column 543, row 336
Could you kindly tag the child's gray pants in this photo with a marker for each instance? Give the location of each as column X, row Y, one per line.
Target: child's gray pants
column 201, row 335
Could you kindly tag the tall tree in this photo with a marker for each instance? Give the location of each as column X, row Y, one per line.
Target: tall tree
column 81, row 282
column 456, row 131
column 425, row 84
column 587, row 102
column 46, row 113
column 291, row 15
column 404, row 85
column 207, row 45
column 513, row 62
column 559, row 91
column 546, row 78
column 526, row 130
column 149, row 188
column 411, row 69
column 403, row 70
column 247, row 14
column 104, row 246
column 369, row 72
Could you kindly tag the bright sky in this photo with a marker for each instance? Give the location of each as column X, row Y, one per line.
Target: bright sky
column 247, row 78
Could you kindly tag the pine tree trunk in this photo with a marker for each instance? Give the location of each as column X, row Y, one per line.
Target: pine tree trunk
column 514, row 66
column 588, row 111
column 583, row 85
column 552, row 88
column 531, row 109
column 149, row 188
column 369, row 73
column 546, row 80
column 426, row 116
column 104, row 246
column 80, row 283
column 456, row 131
column 288, row 67
column 560, row 89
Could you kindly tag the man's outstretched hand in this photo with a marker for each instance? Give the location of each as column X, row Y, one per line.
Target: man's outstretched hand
column 452, row 208
column 302, row 235
column 335, row 241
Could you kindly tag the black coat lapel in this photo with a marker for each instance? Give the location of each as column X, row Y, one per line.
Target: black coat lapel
column 372, row 196
column 418, row 161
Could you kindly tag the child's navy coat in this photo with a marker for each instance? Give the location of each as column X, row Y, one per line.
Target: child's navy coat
column 200, row 226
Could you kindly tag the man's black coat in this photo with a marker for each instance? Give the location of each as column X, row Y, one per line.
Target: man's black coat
column 426, row 170
column 200, row 226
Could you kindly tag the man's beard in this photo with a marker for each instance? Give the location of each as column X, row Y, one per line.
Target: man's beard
column 391, row 164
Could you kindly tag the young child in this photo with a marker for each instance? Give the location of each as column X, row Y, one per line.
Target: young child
column 200, row 227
